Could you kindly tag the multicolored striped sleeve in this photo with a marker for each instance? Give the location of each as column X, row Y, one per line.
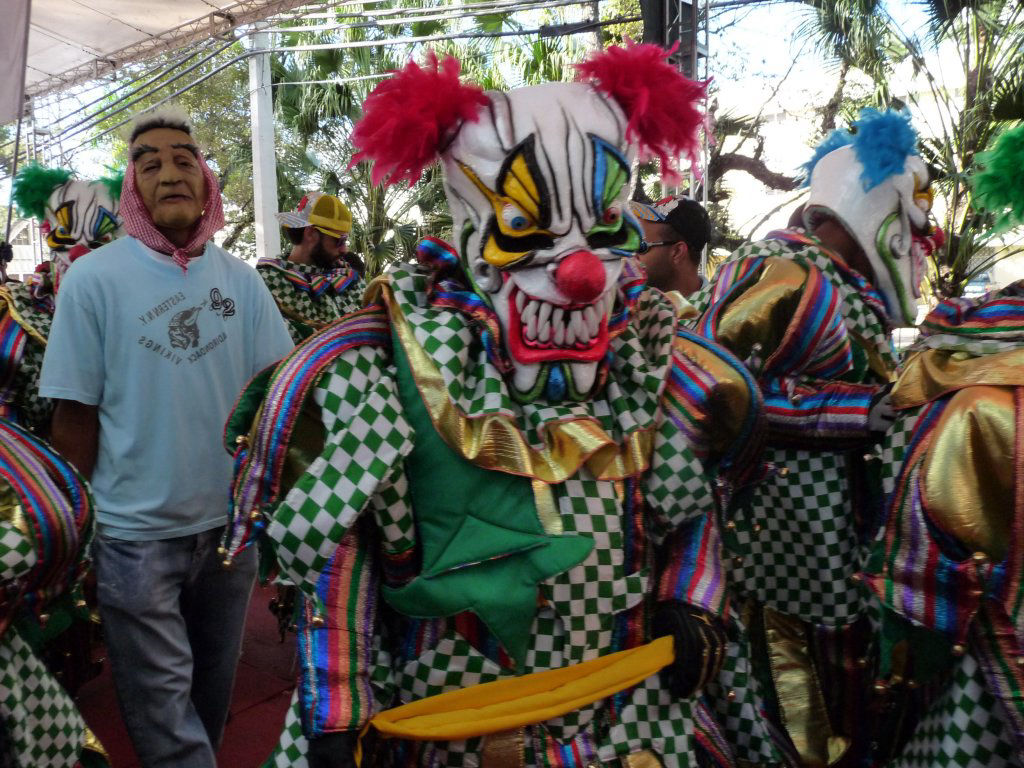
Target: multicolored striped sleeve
column 335, row 640
column 709, row 444
column 809, row 412
column 693, row 571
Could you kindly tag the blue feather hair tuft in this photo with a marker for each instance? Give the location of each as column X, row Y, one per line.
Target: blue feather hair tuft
column 830, row 143
column 883, row 141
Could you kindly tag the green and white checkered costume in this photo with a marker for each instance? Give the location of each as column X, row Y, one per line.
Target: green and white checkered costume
column 24, row 327
column 796, row 543
column 600, row 605
column 295, row 289
column 45, row 728
column 45, row 527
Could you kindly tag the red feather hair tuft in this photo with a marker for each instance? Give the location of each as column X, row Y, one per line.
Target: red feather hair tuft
column 409, row 118
column 662, row 105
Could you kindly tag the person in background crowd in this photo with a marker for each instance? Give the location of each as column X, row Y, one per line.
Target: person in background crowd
column 154, row 336
column 318, row 281
column 949, row 569
column 810, row 311
column 676, row 231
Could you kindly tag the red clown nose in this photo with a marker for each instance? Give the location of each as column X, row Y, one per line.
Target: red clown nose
column 78, row 250
column 580, row 276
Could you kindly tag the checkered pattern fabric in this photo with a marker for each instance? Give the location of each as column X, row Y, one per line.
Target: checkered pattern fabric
column 735, row 698
column 450, row 664
column 304, row 312
column 32, row 410
column 677, row 487
column 963, row 729
column 588, row 596
column 894, row 447
column 17, row 555
column 392, row 506
column 802, row 559
column 973, row 346
column 291, row 748
column 336, row 486
column 362, row 465
column 654, row 719
column 41, row 721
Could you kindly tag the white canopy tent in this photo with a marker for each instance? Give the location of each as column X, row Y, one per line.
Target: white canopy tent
column 74, row 41
column 70, row 42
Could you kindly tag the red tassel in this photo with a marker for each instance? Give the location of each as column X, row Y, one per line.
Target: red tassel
column 662, row 105
column 409, row 118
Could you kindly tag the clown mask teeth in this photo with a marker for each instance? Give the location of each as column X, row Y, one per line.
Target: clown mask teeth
column 583, row 376
column 550, row 332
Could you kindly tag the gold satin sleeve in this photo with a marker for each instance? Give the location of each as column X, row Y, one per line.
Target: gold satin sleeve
column 932, row 373
column 762, row 313
column 968, row 472
column 730, row 400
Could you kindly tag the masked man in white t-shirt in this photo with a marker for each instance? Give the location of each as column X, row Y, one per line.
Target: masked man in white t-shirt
column 153, row 338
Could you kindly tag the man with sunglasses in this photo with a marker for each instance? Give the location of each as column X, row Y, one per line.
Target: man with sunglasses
column 318, row 281
column 676, row 230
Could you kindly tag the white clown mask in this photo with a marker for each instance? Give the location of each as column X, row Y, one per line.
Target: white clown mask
column 538, row 190
column 537, row 180
column 82, row 216
column 889, row 218
column 76, row 216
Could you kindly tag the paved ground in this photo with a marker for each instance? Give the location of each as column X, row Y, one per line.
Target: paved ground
column 263, row 689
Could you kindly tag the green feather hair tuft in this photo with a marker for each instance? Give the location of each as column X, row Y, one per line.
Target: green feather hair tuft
column 999, row 185
column 33, row 186
column 113, row 183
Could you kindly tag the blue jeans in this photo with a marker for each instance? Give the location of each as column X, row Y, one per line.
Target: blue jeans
column 173, row 617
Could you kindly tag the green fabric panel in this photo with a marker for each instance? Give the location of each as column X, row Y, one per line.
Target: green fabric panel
column 484, row 549
column 242, row 415
column 930, row 653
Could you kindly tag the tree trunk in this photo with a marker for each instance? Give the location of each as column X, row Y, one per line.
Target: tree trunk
column 831, row 111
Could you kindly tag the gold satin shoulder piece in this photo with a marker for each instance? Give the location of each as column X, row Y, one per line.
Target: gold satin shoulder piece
column 729, row 402
column 91, row 742
column 967, row 475
column 684, row 309
column 762, row 313
column 932, row 373
column 6, row 298
column 493, row 441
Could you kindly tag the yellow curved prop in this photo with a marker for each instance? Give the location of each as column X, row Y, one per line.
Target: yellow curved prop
column 518, row 701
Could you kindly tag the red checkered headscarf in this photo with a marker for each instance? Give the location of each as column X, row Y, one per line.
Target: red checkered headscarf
column 139, row 223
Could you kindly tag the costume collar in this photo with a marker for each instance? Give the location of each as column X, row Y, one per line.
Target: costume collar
column 312, row 279
column 468, row 401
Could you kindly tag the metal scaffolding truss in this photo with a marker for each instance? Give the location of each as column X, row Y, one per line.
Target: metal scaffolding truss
column 70, row 41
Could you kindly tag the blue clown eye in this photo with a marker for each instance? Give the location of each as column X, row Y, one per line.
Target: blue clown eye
column 514, row 218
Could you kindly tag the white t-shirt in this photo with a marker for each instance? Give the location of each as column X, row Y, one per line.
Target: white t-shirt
column 164, row 355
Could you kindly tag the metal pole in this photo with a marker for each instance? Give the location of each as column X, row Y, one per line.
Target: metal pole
column 264, row 164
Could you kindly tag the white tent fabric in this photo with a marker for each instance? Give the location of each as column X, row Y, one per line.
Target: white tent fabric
column 72, row 41
column 13, row 37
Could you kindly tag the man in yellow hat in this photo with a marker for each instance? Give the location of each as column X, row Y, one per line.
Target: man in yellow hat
column 318, row 281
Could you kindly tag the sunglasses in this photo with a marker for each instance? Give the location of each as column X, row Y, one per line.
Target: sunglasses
column 644, row 246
